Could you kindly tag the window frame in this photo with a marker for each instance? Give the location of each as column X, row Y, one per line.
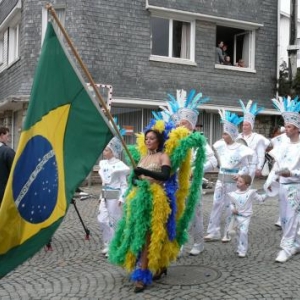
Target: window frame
column 10, row 38
column 13, row 44
column 170, row 58
column 251, row 50
column 61, row 13
column 1, row 49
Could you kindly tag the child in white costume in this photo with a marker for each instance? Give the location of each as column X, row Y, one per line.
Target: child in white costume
column 241, row 207
column 113, row 173
column 233, row 161
column 286, row 170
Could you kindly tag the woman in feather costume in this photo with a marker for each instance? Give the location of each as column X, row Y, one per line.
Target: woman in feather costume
column 159, row 206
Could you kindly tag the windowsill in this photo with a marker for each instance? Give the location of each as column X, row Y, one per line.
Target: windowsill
column 13, row 62
column 234, row 68
column 172, row 60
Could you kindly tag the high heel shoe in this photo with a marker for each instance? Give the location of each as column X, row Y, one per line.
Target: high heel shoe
column 139, row 287
column 157, row 275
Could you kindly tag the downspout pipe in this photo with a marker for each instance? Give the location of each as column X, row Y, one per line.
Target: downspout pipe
column 278, row 46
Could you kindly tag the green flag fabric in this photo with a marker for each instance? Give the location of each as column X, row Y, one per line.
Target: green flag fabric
column 63, row 136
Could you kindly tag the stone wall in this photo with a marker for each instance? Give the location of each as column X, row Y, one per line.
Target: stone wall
column 113, row 38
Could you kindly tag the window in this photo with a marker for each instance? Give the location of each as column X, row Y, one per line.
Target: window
column 298, row 52
column 9, row 46
column 10, row 37
column 1, row 49
column 212, row 128
column 61, row 14
column 13, row 43
column 172, row 40
column 239, row 47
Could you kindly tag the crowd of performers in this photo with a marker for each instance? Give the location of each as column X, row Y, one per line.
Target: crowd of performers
column 148, row 216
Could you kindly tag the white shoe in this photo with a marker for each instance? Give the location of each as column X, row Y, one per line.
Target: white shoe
column 242, row 255
column 180, row 254
column 210, row 237
column 282, row 256
column 226, row 239
column 197, row 249
column 278, row 224
column 105, row 249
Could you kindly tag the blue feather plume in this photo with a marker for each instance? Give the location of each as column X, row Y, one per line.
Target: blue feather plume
column 190, row 97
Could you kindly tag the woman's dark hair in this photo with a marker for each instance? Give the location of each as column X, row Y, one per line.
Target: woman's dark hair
column 275, row 131
column 159, row 136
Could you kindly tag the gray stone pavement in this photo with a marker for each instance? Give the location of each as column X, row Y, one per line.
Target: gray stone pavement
column 75, row 269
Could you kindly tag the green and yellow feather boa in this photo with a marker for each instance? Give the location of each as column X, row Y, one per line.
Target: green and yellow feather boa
column 147, row 207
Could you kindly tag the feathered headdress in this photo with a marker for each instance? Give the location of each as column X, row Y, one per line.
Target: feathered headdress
column 169, row 113
column 289, row 109
column 184, row 107
column 251, row 110
column 230, row 122
column 115, row 145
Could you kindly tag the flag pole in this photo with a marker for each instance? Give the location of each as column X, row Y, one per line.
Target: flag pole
column 50, row 8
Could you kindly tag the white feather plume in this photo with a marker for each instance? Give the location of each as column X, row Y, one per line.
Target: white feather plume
column 222, row 113
column 278, row 103
column 248, row 107
column 181, row 97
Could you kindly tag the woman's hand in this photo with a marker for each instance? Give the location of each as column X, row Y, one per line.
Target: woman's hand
column 139, row 171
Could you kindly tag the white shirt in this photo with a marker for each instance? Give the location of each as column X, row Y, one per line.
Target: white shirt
column 113, row 173
column 242, row 201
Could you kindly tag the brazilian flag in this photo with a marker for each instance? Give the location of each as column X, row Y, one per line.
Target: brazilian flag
column 63, row 136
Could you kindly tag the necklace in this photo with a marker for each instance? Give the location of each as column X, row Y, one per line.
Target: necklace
column 150, row 158
column 151, row 152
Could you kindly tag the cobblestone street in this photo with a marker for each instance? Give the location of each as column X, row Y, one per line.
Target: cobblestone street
column 76, row 269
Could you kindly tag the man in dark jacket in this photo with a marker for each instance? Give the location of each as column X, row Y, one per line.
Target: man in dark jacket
column 7, row 155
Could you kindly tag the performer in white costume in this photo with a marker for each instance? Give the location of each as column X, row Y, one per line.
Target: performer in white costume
column 189, row 120
column 241, row 208
column 287, row 170
column 233, row 161
column 277, row 141
column 257, row 142
column 197, row 228
column 113, row 173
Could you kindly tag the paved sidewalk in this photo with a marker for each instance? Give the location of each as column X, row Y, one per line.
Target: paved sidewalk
column 75, row 269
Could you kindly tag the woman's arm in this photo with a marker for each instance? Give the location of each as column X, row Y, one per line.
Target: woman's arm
column 161, row 176
column 165, row 160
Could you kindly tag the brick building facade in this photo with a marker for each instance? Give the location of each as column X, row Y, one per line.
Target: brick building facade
column 145, row 49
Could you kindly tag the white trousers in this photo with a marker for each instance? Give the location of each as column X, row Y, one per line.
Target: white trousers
column 289, row 197
column 197, row 228
column 221, row 202
column 252, row 171
column 110, row 214
column 242, row 226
